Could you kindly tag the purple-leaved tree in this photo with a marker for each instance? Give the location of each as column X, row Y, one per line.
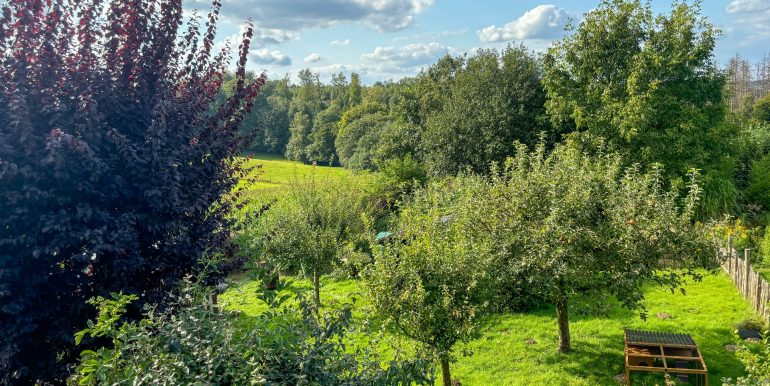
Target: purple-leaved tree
column 114, row 159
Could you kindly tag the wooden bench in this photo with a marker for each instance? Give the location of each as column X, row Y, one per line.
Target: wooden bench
column 664, row 352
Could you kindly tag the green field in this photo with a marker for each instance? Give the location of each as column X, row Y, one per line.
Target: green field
column 520, row 348
column 275, row 174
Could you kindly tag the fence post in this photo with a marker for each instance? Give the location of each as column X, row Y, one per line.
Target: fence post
column 730, row 261
column 758, row 295
column 748, row 270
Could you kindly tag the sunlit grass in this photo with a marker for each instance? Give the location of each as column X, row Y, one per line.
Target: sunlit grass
column 274, row 175
column 520, row 348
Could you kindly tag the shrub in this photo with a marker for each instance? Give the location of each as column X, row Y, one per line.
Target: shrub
column 113, row 160
column 756, row 324
column 765, row 245
column 741, row 234
column 761, row 110
column 756, row 359
column 398, row 177
column 758, row 189
column 189, row 343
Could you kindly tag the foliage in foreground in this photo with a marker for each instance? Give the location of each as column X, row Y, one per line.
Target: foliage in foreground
column 112, row 155
column 756, row 358
column 190, row 343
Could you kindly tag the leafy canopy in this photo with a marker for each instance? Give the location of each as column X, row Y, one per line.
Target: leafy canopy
column 648, row 84
column 579, row 224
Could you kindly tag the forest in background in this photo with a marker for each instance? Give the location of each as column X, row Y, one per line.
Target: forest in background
column 465, row 112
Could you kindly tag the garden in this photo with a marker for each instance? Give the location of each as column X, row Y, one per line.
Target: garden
column 503, row 217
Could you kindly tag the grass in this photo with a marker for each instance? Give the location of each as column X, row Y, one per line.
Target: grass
column 275, row 174
column 520, row 348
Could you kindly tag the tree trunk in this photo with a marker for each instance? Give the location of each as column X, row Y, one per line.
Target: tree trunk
column 316, row 290
column 562, row 314
column 445, row 371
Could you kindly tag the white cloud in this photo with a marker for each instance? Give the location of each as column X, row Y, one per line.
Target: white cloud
column 748, row 6
column 295, row 15
column 339, row 43
column 265, row 56
column 404, row 59
column 541, row 22
column 265, row 36
column 431, row 35
column 749, row 21
column 262, row 37
column 313, row 57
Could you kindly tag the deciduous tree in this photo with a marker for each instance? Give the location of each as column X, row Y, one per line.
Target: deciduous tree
column 113, row 161
column 647, row 84
column 433, row 281
column 581, row 225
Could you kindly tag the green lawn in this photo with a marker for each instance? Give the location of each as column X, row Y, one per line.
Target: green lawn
column 520, row 348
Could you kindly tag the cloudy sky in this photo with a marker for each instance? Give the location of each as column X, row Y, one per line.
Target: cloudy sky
column 390, row 39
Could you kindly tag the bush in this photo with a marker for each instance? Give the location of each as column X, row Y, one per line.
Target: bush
column 398, row 177
column 756, row 359
column 189, row 343
column 741, row 234
column 761, row 110
column 764, row 247
column 113, row 160
column 758, row 189
column 756, row 324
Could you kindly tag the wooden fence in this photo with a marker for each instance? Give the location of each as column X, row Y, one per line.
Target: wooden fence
column 749, row 282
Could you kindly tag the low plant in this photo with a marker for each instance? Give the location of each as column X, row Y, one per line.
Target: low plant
column 191, row 342
column 756, row 359
column 758, row 189
column 737, row 230
column 756, row 324
column 765, row 246
column 399, row 177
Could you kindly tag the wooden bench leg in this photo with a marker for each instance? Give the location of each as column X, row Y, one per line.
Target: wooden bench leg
column 628, row 377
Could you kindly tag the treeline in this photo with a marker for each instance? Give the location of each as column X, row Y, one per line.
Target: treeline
column 462, row 112
column 648, row 86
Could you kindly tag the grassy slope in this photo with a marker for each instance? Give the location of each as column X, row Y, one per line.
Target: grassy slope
column 501, row 356
column 276, row 174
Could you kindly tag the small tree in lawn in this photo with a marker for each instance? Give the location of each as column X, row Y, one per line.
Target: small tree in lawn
column 585, row 227
column 433, row 282
column 308, row 227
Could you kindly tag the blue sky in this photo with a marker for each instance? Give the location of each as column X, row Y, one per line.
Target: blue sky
column 390, row 39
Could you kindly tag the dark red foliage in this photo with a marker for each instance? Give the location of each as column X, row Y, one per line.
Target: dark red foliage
column 113, row 163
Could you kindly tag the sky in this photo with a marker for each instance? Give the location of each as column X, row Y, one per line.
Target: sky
column 391, row 39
